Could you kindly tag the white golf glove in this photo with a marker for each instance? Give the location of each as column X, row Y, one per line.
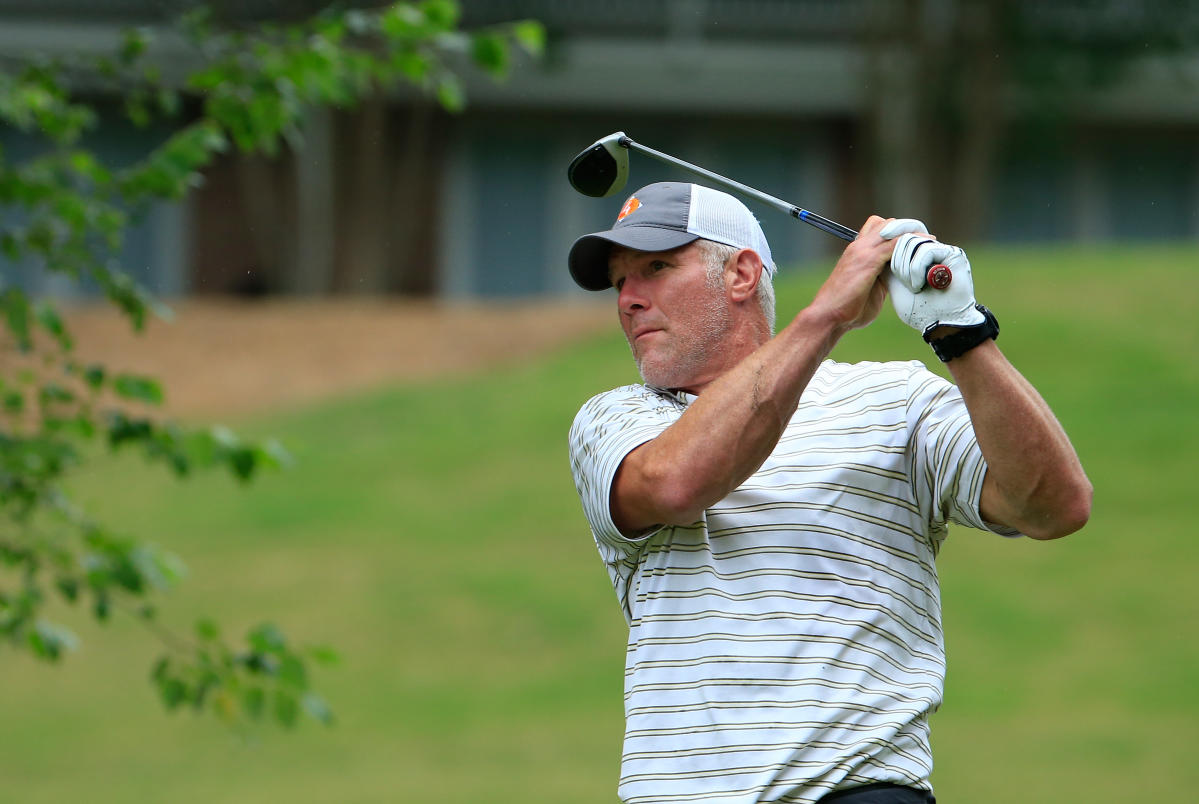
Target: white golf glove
column 918, row 305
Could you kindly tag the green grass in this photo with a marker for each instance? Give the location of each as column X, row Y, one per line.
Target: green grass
column 432, row 534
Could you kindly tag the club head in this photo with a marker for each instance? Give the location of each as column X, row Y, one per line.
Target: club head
column 602, row 169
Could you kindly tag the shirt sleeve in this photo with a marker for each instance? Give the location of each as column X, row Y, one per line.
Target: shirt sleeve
column 947, row 466
column 605, row 430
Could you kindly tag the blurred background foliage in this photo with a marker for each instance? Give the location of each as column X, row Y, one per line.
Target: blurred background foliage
column 66, row 213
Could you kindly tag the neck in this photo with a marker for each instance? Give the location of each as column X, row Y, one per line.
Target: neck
column 740, row 342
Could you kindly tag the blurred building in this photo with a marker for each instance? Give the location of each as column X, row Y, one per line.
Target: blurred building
column 925, row 108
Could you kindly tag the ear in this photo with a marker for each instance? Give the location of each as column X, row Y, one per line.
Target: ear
column 742, row 273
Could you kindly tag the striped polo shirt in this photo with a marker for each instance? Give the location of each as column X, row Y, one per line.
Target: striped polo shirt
column 789, row 642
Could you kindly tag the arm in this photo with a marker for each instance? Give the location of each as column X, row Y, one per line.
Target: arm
column 1035, row 482
column 733, row 425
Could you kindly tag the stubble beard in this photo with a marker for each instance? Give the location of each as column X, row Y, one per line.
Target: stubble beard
column 690, row 351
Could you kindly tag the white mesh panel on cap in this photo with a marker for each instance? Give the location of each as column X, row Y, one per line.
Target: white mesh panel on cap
column 720, row 217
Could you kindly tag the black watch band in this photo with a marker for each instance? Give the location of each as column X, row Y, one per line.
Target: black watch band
column 966, row 338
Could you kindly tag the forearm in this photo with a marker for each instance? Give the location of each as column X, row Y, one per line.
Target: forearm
column 1035, row 481
column 726, row 433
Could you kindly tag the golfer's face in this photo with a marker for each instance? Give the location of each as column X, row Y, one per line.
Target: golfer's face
column 673, row 317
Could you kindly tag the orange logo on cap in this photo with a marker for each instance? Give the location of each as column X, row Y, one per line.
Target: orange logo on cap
column 629, row 208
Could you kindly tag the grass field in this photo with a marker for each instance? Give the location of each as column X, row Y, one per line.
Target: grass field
column 432, row 534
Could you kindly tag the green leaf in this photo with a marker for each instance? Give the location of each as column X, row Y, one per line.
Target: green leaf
column 411, row 64
column 49, row 641
column 137, row 108
column 253, row 701
column 161, row 569
column 323, row 654
column 490, row 51
column 207, row 630
column 69, row 587
column 273, row 455
column 316, row 708
column 101, row 605
column 207, row 683
column 173, row 692
column 143, row 389
column 93, row 375
column 267, row 638
column 16, row 314
column 50, row 320
column 169, row 102
column 292, row 672
column 122, row 429
column 286, row 708
column 85, row 164
column 84, row 426
column 402, row 21
column 14, row 402
column 126, row 294
column 133, row 44
column 259, row 663
column 243, row 461
column 219, row 444
column 54, row 394
column 442, row 15
column 530, row 35
column 450, row 94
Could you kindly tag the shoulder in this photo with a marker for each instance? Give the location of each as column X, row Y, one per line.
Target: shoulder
column 611, row 424
column 630, row 407
column 629, row 399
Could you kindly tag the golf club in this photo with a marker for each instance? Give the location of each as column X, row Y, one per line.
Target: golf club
column 603, row 169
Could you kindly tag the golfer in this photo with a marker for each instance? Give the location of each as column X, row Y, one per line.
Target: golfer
column 770, row 518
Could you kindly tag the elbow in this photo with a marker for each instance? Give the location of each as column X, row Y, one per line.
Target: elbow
column 1069, row 514
column 679, row 503
column 641, row 498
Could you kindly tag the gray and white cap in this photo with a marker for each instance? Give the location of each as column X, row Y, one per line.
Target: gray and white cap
column 665, row 216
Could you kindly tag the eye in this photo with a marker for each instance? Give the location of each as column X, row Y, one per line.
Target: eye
column 656, row 265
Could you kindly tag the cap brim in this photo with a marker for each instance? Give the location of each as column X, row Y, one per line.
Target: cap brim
column 589, row 254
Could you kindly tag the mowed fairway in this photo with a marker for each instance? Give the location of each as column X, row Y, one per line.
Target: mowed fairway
column 432, row 534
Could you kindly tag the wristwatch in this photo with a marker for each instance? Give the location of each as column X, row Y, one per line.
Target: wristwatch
column 966, row 338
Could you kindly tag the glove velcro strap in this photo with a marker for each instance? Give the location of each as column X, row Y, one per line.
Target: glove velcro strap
column 966, row 338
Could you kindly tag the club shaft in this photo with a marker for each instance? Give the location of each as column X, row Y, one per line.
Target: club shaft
column 811, row 218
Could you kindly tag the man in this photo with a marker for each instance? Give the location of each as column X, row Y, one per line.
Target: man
column 770, row 518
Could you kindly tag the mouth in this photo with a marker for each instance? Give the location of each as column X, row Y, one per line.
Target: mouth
column 636, row 335
column 638, row 325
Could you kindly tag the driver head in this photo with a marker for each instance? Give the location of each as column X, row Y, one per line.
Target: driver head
column 602, row 169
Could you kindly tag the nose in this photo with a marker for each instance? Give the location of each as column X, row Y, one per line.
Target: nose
column 632, row 296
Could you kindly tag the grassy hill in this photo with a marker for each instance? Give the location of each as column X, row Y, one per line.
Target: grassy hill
column 432, row 534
